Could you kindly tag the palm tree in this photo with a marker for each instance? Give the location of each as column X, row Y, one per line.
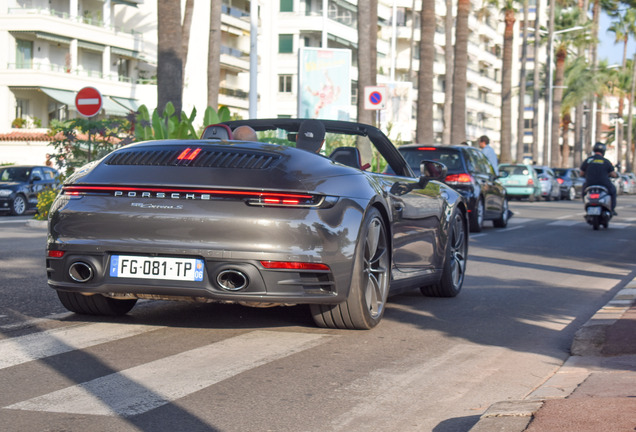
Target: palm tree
column 169, row 58
column 506, row 82
column 185, row 32
column 579, row 85
column 448, row 72
column 365, row 74
column 630, row 119
column 566, row 20
column 522, row 84
column 460, row 83
column 424, row 132
column 214, row 54
column 535, row 83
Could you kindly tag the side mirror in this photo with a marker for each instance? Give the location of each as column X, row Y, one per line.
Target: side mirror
column 433, row 170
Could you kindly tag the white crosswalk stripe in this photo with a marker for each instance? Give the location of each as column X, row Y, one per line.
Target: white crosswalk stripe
column 143, row 388
column 52, row 342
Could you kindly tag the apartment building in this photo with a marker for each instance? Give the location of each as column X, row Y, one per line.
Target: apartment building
column 56, row 47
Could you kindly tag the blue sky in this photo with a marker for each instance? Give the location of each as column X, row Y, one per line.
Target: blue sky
column 609, row 50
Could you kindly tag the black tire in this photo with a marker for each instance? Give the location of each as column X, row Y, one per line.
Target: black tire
column 502, row 221
column 477, row 216
column 19, row 205
column 369, row 288
column 454, row 267
column 595, row 223
column 95, row 304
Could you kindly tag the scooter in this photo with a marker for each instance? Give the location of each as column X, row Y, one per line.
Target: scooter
column 598, row 206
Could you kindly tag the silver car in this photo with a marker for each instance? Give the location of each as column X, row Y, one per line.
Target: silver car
column 257, row 223
column 550, row 188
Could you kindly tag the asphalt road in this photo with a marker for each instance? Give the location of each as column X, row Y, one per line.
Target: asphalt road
column 432, row 364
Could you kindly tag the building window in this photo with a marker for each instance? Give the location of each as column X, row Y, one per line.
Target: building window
column 285, row 43
column 24, row 54
column 286, row 5
column 284, row 83
column 21, row 108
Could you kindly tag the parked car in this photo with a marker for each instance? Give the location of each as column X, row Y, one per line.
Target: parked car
column 20, row 185
column 256, row 223
column 550, row 188
column 472, row 175
column 629, row 184
column 570, row 182
column 521, row 181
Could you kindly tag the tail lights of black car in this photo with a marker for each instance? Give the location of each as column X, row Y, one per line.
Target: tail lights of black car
column 250, row 197
column 459, row 179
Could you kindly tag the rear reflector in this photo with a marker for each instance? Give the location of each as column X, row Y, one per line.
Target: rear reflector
column 291, row 265
column 56, row 254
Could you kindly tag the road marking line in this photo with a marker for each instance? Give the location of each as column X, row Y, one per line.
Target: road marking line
column 36, row 346
column 35, row 321
column 564, row 223
column 143, row 388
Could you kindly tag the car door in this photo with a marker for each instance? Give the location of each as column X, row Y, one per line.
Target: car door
column 491, row 188
column 35, row 186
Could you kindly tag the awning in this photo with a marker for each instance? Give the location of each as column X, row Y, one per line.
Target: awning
column 133, row 3
column 53, row 38
column 109, row 106
column 129, row 104
column 90, row 46
column 64, row 97
column 124, row 52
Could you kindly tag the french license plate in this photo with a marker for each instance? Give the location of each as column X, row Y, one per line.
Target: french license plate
column 143, row 267
column 594, row 211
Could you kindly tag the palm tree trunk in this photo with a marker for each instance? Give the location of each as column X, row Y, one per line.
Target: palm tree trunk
column 448, row 70
column 535, row 83
column 424, row 132
column 631, row 163
column 522, row 85
column 214, row 54
column 185, row 36
column 364, row 59
column 506, row 88
column 458, row 128
column 169, row 59
column 556, row 107
column 566, row 140
column 548, row 89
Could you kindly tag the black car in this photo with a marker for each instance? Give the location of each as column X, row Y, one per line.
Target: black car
column 259, row 224
column 20, row 185
column 472, row 175
column 570, row 182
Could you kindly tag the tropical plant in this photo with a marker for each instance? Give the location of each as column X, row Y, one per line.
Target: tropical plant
column 168, row 125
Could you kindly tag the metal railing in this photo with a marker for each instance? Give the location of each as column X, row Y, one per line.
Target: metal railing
column 79, row 72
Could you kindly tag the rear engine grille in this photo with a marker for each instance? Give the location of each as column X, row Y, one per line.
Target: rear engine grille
column 204, row 159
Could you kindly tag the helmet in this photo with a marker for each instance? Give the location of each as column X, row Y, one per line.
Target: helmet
column 599, row 147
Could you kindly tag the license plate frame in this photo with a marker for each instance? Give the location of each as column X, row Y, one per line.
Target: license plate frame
column 594, row 211
column 157, row 268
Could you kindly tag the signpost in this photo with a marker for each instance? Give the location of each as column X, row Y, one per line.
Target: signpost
column 88, row 101
column 375, row 97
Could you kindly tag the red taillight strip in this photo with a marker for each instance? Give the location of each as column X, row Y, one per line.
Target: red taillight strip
column 76, row 190
column 292, row 265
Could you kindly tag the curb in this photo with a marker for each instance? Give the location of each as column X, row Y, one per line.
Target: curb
column 515, row 415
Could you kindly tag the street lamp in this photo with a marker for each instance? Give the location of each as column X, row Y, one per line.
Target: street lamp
column 550, row 79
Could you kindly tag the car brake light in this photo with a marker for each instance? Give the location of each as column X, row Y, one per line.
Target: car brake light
column 459, row 178
column 56, row 254
column 426, row 148
column 189, row 154
column 530, row 182
column 292, row 265
column 560, row 180
column 595, row 196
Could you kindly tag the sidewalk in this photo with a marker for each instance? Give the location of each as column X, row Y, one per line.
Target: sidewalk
column 594, row 390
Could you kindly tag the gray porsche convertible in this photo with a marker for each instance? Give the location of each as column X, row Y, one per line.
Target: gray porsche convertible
column 258, row 223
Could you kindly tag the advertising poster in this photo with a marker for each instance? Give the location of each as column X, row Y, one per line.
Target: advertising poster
column 397, row 116
column 324, row 83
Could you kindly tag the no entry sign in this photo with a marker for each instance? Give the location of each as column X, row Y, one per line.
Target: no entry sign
column 375, row 97
column 88, row 101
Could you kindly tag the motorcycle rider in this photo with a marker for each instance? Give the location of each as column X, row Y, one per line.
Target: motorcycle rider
column 597, row 170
